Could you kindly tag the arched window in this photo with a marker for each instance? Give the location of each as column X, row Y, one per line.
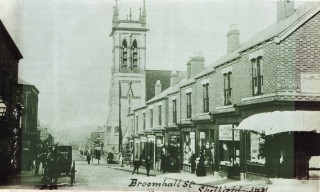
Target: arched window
column 134, row 54
column 124, row 55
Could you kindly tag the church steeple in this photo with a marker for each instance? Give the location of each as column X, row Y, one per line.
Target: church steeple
column 144, row 14
column 115, row 12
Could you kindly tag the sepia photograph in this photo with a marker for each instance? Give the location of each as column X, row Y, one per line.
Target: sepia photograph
column 160, row 95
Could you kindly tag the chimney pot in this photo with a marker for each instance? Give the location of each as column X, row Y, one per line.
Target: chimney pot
column 232, row 38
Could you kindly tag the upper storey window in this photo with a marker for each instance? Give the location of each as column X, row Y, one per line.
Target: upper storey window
column 205, row 97
column 257, row 76
column 189, row 105
column 227, row 88
column 124, row 54
column 134, row 54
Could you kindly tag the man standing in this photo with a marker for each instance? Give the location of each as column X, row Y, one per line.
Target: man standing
column 148, row 165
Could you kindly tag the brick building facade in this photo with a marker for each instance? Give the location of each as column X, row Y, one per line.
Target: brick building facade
column 207, row 112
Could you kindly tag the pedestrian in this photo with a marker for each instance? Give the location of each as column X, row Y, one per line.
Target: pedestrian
column 158, row 161
column 193, row 162
column 148, row 164
column 163, row 163
column 88, row 158
column 136, row 165
column 98, row 155
column 37, row 163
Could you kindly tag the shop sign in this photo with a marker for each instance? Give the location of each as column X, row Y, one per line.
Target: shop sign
column 202, row 135
column 192, row 135
column 225, row 132
column 143, row 139
column 151, row 137
column 159, row 134
column 186, row 130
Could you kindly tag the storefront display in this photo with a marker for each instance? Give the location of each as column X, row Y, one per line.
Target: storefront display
column 257, row 149
column 229, row 150
column 188, row 146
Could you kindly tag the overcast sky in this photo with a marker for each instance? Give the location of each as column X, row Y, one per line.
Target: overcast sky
column 67, row 48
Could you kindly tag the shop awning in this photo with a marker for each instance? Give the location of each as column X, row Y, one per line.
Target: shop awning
column 282, row 121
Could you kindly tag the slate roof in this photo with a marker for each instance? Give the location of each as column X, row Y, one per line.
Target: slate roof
column 305, row 11
column 163, row 75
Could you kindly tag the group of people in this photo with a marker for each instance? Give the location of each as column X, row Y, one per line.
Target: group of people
column 138, row 162
column 96, row 154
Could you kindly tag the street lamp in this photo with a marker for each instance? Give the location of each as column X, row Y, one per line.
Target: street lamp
column 3, row 109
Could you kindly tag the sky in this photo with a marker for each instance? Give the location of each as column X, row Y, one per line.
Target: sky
column 67, row 52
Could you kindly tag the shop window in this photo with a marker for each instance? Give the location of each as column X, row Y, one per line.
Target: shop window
column 206, row 146
column 174, row 111
column 206, row 97
column 189, row 105
column 137, row 155
column 229, row 145
column 188, row 146
column 227, row 88
column 256, row 149
column 174, row 153
column 257, row 76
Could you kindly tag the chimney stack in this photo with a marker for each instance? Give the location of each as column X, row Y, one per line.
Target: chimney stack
column 157, row 88
column 232, row 38
column 285, row 8
column 194, row 66
column 173, row 78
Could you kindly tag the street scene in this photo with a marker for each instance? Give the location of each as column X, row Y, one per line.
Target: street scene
column 139, row 95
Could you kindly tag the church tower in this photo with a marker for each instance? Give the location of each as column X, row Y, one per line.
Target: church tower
column 127, row 83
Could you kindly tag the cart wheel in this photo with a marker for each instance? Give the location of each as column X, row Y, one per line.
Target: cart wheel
column 73, row 173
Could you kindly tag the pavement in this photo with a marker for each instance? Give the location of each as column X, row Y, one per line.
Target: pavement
column 204, row 183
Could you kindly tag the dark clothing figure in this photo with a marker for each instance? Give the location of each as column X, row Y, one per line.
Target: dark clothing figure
column 148, row 163
column 37, row 163
column 201, row 169
column 88, row 158
column 163, row 163
column 193, row 163
column 98, row 155
column 136, row 164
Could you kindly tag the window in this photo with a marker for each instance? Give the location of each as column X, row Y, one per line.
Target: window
column 257, row 76
column 144, row 120
column 124, row 55
column 116, row 130
column 159, row 114
column 227, row 88
column 174, row 111
column 134, row 54
column 189, row 105
column 256, row 148
column 151, row 117
column 137, row 124
column 206, row 98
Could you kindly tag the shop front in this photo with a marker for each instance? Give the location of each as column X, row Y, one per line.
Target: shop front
column 282, row 144
column 136, row 149
column 159, row 149
column 229, row 150
column 172, row 149
column 206, row 145
column 188, row 147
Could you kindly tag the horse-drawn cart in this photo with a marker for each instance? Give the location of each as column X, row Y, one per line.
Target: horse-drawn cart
column 59, row 163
